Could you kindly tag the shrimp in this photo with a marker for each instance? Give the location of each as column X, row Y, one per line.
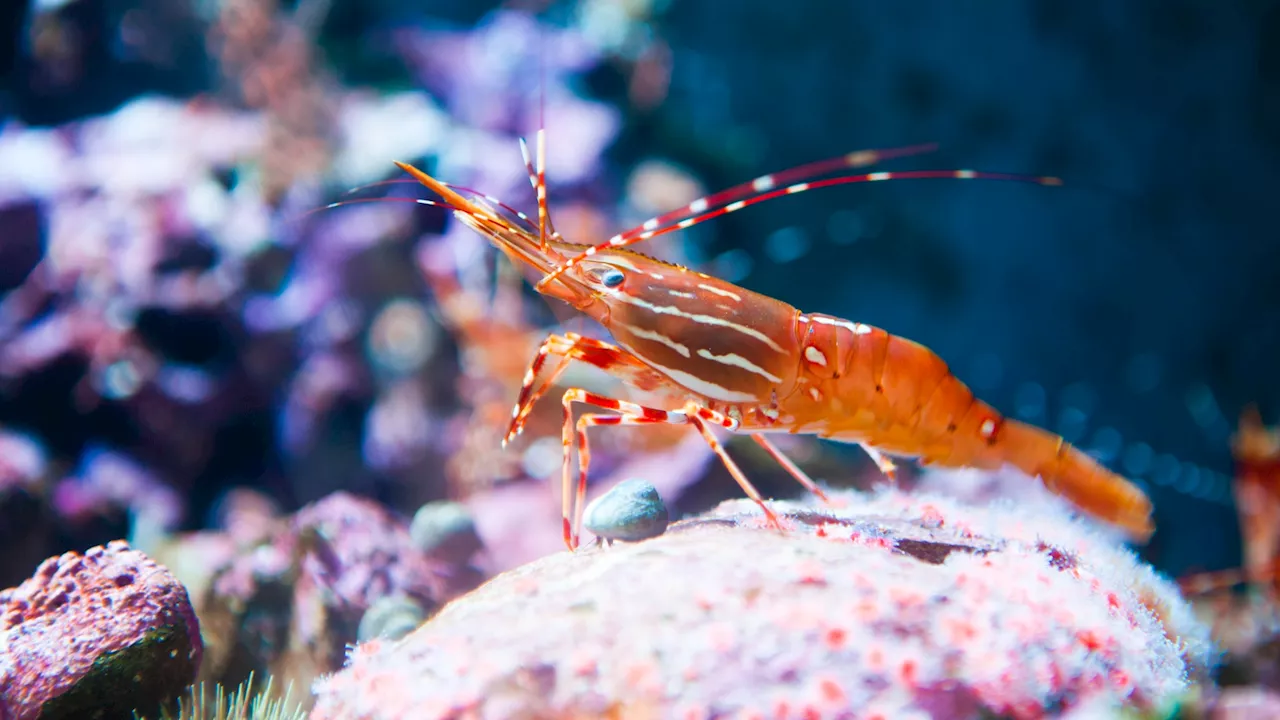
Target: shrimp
column 713, row 354
column 1255, row 448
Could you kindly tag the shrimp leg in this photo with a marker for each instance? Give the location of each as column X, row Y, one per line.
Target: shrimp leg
column 800, row 475
column 572, row 346
column 632, row 414
column 882, row 461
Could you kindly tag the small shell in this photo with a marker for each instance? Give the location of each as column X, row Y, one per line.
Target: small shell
column 631, row 511
column 445, row 531
column 390, row 617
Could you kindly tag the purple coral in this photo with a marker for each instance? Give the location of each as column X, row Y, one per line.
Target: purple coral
column 95, row 635
column 897, row 606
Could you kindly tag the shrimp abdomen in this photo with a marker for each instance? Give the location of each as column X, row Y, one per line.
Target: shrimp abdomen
column 899, row 397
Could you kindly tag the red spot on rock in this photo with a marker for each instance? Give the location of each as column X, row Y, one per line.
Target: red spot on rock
column 811, row 572
column 909, row 673
column 832, row 692
column 931, row 517
column 835, row 638
column 1089, row 639
column 1058, row 558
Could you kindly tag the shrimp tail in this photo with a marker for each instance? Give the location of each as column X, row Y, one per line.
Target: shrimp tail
column 1072, row 474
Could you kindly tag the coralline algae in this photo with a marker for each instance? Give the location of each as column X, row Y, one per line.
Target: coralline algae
column 898, row 606
column 95, row 635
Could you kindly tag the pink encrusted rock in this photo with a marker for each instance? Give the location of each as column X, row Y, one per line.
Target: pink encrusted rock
column 95, row 636
column 892, row 606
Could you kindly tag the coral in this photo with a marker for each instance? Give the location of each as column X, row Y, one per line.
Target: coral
column 98, row 635
column 902, row 606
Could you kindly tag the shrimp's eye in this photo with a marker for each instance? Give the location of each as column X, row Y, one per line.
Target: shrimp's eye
column 612, row 278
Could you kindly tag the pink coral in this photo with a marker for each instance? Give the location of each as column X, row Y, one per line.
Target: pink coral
column 898, row 606
column 95, row 635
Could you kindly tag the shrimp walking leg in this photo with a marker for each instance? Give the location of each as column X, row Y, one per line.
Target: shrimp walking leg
column 572, row 346
column 698, row 416
column 632, row 414
column 882, row 461
column 800, row 475
column 584, row 458
column 628, row 414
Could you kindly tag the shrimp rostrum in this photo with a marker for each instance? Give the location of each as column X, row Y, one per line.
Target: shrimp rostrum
column 719, row 355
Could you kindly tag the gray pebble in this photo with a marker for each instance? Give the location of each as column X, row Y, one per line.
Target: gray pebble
column 445, row 531
column 390, row 617
column 631, row 511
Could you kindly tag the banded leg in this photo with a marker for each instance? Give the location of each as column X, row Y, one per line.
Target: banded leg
column 572, row 346
column 633, row 414
column 800, row 475
column 882, row 461
column 584, row 461
column 529, row 395
column 699, row 416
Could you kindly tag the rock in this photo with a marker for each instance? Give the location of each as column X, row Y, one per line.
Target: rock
column 1246, row 703
column 445, row 531
column 899, row 606
column 289, row 606
column 95, row 636
column 631, row 510
column 391, row 617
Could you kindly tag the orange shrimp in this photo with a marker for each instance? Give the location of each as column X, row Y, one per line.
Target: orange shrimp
column 1256, row 451
column 715, row 354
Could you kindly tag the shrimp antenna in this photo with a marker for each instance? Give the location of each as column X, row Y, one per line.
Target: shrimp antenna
column 540, row 140
column 475, row 195
column 770, row 190
column 764, row 183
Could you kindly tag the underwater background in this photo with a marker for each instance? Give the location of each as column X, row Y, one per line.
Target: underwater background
column 177, row 325
column 1132, row 310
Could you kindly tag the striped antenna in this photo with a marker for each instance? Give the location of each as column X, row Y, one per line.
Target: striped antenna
column 365, row 201
column 461, row 189
column 540, row 140
column 435, row 203
column 544, row 216
column 765, row 183
column 543, row 219
column 619, row 241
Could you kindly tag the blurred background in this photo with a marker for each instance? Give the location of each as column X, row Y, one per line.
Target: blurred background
column 175, row 323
